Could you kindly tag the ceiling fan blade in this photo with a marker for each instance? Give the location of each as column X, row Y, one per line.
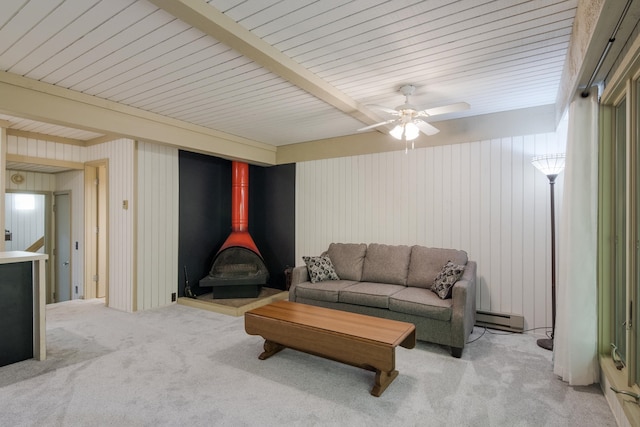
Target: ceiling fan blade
column 386, row 122
column 426, row 128
column 383, row 108
column 460, row 106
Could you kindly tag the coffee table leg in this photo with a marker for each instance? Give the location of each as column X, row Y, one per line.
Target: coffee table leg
column 383, row 379
column 270, row 348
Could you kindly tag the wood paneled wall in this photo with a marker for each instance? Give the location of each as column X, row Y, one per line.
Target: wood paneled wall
column 33, row 182
column 120, row 154
column 45, row 149
column 484, row 197
column 158, row 204
column 147, row 179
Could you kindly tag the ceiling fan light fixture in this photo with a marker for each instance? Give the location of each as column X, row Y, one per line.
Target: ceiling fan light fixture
column 409, row 120
column 397, row 132
column 411, row 131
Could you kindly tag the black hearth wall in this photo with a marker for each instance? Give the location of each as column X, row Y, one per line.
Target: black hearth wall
column 205, row 216
column 272, row 189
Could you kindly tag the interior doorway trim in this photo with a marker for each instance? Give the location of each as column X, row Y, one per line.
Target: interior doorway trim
column 96, row 189
column 59, row 261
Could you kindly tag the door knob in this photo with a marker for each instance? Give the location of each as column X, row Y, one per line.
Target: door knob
column 65, row 263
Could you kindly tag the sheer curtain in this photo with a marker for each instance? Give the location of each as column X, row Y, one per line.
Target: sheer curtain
column 576, row 334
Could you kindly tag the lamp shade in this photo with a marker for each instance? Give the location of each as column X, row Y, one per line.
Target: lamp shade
column 397, row 132
column 549, row 164
column 409, row 130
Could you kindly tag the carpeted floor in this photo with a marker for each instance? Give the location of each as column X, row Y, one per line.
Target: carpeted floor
column 179, row 365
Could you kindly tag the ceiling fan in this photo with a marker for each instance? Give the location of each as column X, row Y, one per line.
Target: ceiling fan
column 409, row 120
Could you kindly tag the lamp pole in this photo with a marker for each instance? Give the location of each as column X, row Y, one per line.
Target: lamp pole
column 547, row 343
column 551, row 165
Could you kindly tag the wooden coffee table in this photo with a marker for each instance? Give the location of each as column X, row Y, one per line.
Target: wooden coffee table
column 355, row 339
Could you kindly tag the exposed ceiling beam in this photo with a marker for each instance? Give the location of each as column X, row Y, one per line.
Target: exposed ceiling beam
column 209, row 20
column 34, row 162
column 40, row 101
column 102, row 139
column 45, row 137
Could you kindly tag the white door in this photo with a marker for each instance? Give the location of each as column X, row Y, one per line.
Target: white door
column 62, row 212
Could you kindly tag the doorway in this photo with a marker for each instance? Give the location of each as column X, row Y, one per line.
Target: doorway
column 25, row 222
column 28, row 226
column 62, row 249
column 96, row 230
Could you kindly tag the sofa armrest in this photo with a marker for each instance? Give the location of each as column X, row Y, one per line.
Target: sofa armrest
column 298, row 275
column 464, row 306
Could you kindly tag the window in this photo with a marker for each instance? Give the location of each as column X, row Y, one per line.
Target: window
column 619, row 182
column 618, row 241
column 25, row 202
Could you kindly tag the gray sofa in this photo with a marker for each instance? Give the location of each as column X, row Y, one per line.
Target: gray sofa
column 395, row 282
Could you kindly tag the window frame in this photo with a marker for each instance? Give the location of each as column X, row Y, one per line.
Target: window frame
column 624, row 85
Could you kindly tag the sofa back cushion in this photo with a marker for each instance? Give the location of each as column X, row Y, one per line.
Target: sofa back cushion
column 347, row 259
column 426, row 263
column 386, row 264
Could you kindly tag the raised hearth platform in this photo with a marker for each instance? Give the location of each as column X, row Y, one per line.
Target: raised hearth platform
column 235, row 306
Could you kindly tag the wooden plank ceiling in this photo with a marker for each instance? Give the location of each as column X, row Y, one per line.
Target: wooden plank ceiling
column 339, row 56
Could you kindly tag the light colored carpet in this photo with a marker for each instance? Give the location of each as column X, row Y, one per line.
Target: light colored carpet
column 181, row 366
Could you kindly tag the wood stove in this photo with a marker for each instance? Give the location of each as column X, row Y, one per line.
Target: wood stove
column 238, row 270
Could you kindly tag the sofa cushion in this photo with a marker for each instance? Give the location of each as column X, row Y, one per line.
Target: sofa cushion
column 421, row 302
column 386, row 264
column 347, row 259
column 426, row 263
column 322, row 291
column 369, row 294
column 445, row 280
column 320, row 268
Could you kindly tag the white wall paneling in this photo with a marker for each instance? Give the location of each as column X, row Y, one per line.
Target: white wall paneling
column 33, row 181
column 154, row 269
column 484, row 197
column 120, row 156
column 44, row 149
column 157, row 219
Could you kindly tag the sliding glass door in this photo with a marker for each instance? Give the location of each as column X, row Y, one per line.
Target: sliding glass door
column 619, row 244
column 634, row 259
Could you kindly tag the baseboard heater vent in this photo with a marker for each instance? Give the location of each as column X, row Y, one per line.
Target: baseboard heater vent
column 502, row 321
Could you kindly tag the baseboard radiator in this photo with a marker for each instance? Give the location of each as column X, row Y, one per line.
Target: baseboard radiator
column 503, row 321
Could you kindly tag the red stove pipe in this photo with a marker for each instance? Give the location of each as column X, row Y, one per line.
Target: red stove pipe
column 240, row 209
column 239, row 196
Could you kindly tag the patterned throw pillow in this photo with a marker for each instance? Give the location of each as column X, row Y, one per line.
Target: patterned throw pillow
column 445, row 280
column 320, row 268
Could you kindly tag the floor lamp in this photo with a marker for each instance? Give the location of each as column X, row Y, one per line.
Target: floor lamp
column 551, row 165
